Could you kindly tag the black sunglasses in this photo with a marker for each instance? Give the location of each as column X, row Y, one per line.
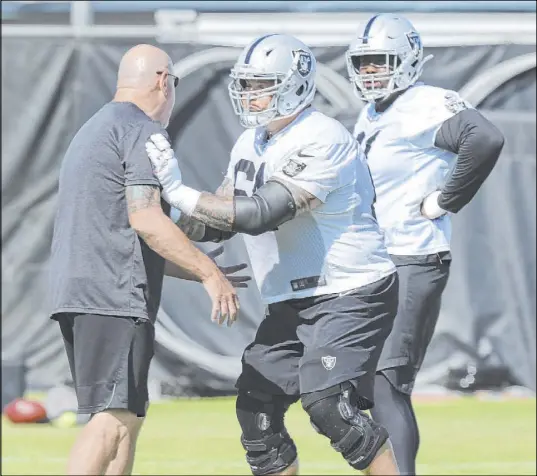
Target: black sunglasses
column 175, row 78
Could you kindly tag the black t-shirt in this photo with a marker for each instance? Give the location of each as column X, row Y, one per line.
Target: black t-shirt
column 98, row 264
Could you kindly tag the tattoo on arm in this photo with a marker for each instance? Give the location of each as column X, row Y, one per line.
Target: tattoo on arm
column 216, row 212
column 304, row 201
column 191, row 227
column 142, row 196
column 219, row 211
column 226, row 189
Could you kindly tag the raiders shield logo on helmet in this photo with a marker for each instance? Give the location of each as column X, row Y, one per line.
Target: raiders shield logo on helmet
column 304, row 62
column 415, row 42
column 328, row 362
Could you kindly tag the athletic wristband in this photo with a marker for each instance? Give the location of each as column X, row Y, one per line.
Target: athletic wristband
column 184, row 198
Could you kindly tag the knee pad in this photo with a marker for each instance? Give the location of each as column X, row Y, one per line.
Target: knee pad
column 334, row 413
column 269, row 448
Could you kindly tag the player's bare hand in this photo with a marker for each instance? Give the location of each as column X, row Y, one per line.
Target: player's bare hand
column 236, row 281
column 224, row 298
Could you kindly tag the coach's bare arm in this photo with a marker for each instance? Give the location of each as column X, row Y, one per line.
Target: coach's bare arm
column 159, row 232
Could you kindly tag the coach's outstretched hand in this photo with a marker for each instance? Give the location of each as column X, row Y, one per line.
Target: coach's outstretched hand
column 236, row 281
column 224, row 298
column 220, row 284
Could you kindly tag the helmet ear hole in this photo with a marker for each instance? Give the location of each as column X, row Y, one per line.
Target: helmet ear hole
column 300, row 90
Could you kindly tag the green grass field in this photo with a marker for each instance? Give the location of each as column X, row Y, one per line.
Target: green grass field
column 188, row 437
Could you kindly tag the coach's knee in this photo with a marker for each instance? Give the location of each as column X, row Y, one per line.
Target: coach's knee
column 269, row 448
column 334, row 413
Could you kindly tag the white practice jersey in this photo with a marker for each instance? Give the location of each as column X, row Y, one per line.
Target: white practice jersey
column 336, row 247
column 405, row 165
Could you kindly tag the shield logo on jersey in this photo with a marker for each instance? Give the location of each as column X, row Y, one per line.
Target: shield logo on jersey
column 293, row 167
column 454, row 103
column 415, row 41
column 304, row 62
column 328, row 362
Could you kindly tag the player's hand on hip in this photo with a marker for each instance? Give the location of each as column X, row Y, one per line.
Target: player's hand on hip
column 224, row 298
column 430, row 208
column 164, row 163
column 227, row 271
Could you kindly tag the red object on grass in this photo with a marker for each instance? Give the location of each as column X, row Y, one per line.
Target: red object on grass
column 25, row 411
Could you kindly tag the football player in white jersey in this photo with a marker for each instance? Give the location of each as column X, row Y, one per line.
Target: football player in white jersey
column 296, row 187
column 428, row 152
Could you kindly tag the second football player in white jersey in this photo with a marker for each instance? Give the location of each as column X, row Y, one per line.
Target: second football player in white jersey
column 429, row 152
column 296, row 185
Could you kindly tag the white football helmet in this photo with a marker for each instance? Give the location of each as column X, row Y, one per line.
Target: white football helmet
column 289, row 67
column 395, row 38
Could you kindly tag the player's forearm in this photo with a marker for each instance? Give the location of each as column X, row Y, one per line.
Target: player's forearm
column 215, row 211
column 198, row 231
column 194, row 229
column 478, row 144
column 166, row 239
column 251, row 215
column 272, row 205
column 476, row 160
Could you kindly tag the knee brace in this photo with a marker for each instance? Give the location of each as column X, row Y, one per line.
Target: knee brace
column 269, row 448
column 334, row 413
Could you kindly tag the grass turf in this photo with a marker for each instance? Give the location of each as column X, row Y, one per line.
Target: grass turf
column 186, row 437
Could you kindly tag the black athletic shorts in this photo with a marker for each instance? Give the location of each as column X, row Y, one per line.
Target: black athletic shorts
column 109, row 359
column 310, row 344
column 422, row 280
